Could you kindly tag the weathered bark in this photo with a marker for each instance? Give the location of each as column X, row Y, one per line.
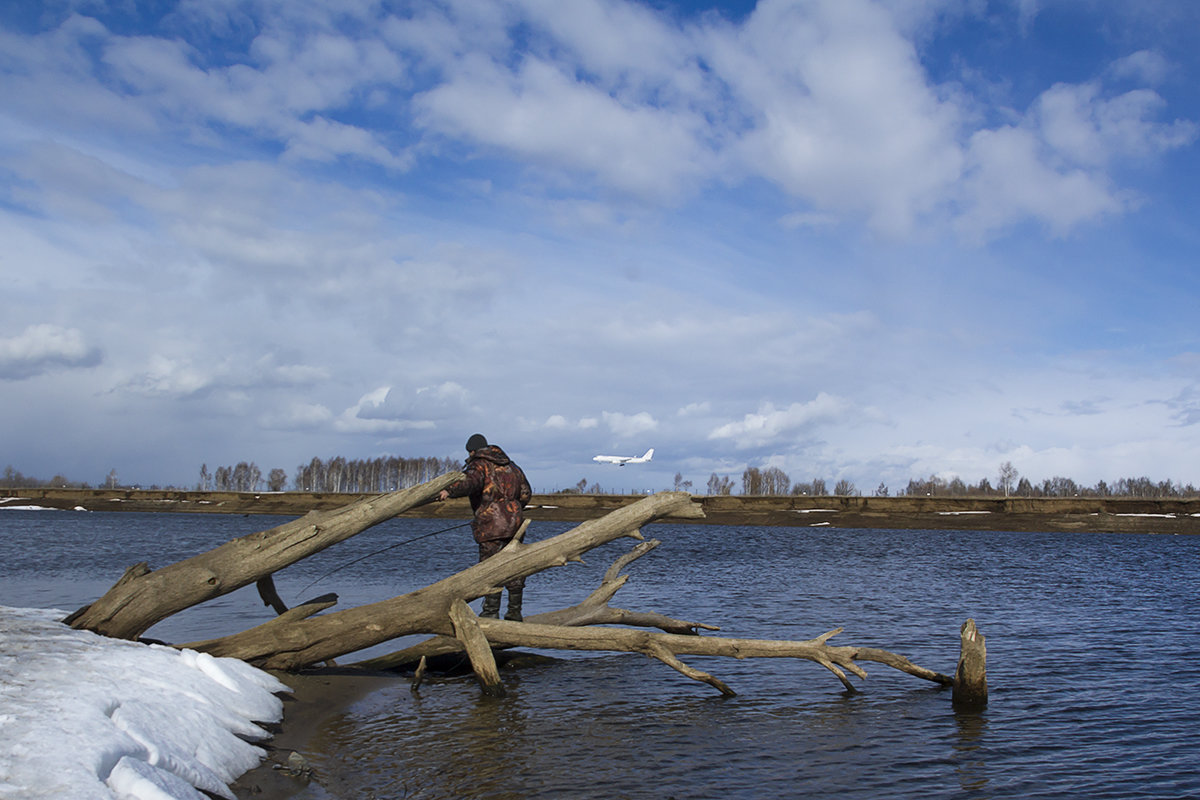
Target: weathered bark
column 143, row 597
column 427, row 610
column 466, row 626
column 970, row 677
column 667, row 646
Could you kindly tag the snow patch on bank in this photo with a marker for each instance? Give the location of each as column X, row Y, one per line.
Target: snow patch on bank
column 85, row 716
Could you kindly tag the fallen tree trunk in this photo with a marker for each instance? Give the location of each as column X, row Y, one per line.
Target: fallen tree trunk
column 667, row 646
column 316, row 639
column 143, row 596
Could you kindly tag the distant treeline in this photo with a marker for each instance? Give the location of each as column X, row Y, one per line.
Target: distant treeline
column 1009, row 483
column 337, row 474
column 1052, row 487
column 388, row 473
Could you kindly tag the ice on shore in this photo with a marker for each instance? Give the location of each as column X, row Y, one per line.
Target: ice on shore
column 84, row 716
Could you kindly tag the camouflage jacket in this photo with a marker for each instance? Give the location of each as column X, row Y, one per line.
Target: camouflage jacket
column 498, row 491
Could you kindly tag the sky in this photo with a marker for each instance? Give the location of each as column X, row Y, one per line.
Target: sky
column 851, row 239
column 91, row 717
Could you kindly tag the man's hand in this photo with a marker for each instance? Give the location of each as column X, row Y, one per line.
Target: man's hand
column 443, row 494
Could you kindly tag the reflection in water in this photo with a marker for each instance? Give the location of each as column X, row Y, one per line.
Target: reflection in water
column 970, row 751
column 617, row 726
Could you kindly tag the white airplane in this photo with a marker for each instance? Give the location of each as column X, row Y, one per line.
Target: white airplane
column 621, row 461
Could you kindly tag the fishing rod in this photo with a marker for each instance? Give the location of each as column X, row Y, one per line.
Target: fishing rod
column 382, row 550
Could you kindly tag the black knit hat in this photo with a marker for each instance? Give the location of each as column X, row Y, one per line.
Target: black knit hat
column 476, row 442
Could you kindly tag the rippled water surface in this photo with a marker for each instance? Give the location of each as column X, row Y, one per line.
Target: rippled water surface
column 1095, row 689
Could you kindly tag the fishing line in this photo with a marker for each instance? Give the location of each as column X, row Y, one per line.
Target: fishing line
column 381, row 550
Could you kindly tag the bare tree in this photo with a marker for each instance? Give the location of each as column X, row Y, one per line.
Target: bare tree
column 1007, row 477
column 775, row 481
column 719, row 485
column 276, row 480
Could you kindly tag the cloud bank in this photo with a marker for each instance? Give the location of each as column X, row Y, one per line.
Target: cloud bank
column 871, row 240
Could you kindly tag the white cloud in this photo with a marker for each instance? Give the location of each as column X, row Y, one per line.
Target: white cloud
column 827, row 100
column 1008, row 181
column 292, row 77
column 774, row 427
column 695, row 409
column 178, row 372
column 625, row 425
column 165, row 375
column 1146, row 66
column 297, row 416
column 44, row 348
column 325, row 140
column 630, row 47
column 839, row 112
column 560, row 423
column 290, row 374
column 365, row 416
column 540, row 112
column 1085, row 128
column 447, row 392
column 386, row 410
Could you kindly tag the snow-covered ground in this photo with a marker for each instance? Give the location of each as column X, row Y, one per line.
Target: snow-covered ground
column 83, row 716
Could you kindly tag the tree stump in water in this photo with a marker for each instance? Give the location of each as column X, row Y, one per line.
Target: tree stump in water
column 970, row 678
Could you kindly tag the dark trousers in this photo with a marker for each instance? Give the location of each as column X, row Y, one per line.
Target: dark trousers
column 490, row 548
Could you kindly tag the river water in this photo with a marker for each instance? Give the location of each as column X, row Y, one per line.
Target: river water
column 1092, row 662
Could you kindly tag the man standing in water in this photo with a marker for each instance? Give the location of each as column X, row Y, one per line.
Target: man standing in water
column 499, row 492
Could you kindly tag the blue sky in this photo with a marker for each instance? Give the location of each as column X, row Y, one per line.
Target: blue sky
column 849, row 239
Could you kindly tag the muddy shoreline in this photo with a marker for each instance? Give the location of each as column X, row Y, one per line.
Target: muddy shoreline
column 317, row 698
column 1088, row 514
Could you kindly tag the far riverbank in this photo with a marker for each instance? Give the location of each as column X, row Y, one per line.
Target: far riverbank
column 1093, row 514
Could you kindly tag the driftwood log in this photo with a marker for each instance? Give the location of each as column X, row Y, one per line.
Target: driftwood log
column 143, row 596
column 303, row 636
column 301, row 642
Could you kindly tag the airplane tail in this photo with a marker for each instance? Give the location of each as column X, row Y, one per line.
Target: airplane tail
column 649, row 454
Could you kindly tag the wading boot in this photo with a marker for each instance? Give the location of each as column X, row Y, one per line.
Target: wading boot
column 514, row 605
column 491, row 606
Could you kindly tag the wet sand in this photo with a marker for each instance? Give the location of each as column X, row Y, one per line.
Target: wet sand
column 317, row 696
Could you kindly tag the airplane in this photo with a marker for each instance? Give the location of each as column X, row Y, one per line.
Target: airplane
column 621, row 461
